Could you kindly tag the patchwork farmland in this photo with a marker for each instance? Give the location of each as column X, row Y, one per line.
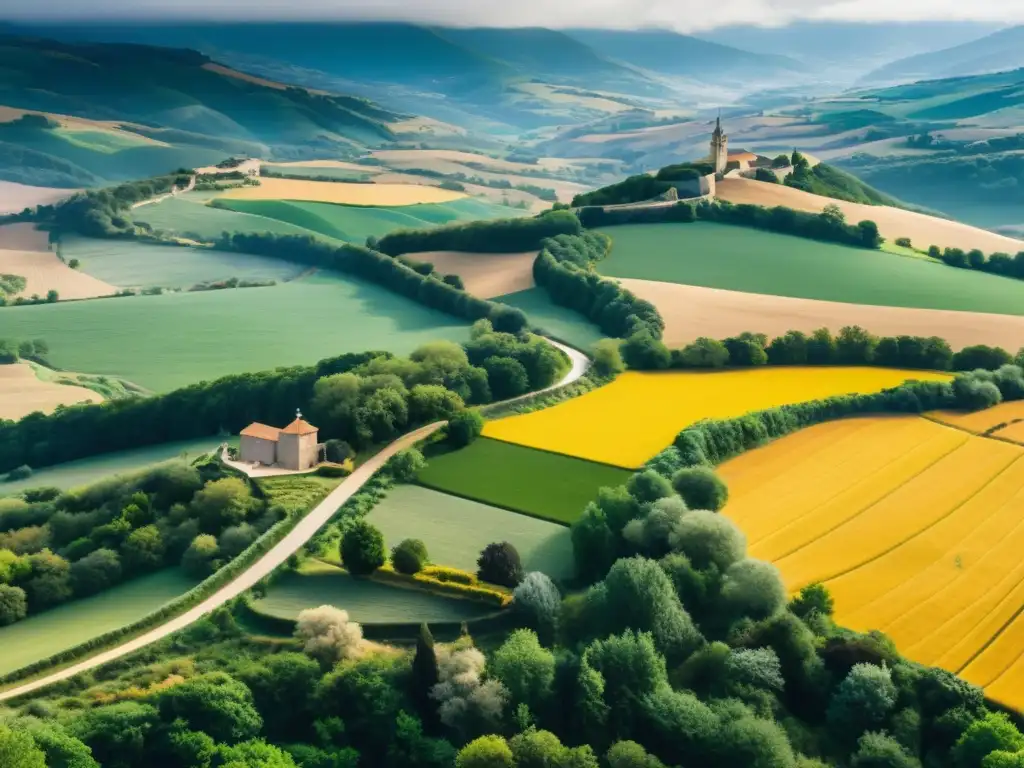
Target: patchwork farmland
column 601, row 426
column 913, row 526
column 342, row 193
column 752, row 261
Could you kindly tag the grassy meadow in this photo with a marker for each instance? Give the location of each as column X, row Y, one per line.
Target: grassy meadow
column 367, row 602
column 742, row 259
column 559, row 322
column 537, row 483
column 68, row 625
column 188, row 216
column 914, row 527
column 169, row 341
column 604, row 425
column 354, row 223
column 456, row 530
column 72, row 474
column 128, row 264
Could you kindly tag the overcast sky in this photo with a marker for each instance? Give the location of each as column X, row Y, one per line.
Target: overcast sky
column 683, row 15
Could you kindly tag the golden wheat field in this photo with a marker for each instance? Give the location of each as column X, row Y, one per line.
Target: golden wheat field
column 981, row 422
column 639, row 414
column 342, row 193
column 915, row 527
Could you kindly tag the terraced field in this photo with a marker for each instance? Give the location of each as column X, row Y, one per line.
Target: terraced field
column 169, row 341
column 366, row 601
column 915, row 527
column 355, row 223
column 602, row 426
column 456, row 530
column 537, row 483
column 742, row 259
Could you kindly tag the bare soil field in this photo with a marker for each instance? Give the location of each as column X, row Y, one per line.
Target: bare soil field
column 486, row 274
column 691, row 312
column 419, row 158
column 342, row 193
column 892, row 222
column 15, row 197
column 22, row 393
column 23, row 237
column 44, row 272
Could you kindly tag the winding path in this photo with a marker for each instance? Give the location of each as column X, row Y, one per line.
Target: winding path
column 284, row 549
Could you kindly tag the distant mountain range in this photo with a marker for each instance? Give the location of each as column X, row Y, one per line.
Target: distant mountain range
column 996, row 52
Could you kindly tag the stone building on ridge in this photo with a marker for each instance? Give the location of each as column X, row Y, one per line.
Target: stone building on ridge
column 294, row 447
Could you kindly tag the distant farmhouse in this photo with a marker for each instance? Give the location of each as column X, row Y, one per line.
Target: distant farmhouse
column 294, row 447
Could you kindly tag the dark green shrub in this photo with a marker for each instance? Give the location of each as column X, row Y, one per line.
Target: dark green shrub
column 409, row 556
column 701, row 488
column 362, row 549
column 499, row 564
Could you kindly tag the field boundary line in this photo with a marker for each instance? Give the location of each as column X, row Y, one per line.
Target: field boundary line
column 496, row 505
column 875, row 503
column 988, row 643
column 568, row 455
column 928, row 527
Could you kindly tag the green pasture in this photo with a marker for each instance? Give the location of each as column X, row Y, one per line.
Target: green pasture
column 84, row 471
column 102, row 141
column 354, row 223
column 367, row 602
column 743, row 259
column 188, row 216
column 456, row 530
column 40, row 636
column 169, row 341
column 129, row 264
column 558, row 322
column 536, row 483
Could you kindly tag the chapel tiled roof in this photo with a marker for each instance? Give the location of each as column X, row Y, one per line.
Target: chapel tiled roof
column 299, row 427
column 261, row 431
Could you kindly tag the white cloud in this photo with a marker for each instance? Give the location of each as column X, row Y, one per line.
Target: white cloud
column 683, row 15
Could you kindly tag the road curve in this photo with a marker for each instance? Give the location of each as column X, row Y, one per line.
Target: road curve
column 284, row 549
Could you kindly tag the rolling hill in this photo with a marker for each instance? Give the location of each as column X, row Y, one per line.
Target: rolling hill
column 996, row 52
column 670, row 53
column 120, row 111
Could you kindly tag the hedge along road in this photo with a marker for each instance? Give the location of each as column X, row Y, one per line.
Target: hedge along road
column 284, row 549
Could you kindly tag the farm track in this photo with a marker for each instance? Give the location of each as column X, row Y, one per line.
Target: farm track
column 309, row 525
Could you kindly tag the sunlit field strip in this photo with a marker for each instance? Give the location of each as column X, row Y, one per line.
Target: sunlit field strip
column 864, row 452
column 940, row 543
column 921, row 502
column 998, row 656
column 952, row 655
column 1008, row 689
column 981, row 421
column 986, row 555
column 861, row 494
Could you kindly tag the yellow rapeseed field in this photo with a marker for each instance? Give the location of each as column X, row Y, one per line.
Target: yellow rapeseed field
column 639, row 414
column 342, row 193
column 915, row 527
column 1014, row 432
column 982, row 421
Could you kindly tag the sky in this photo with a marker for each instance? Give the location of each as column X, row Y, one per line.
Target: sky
column 682, row 15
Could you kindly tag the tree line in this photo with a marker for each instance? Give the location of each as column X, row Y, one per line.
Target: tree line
column 1002, row 264
column 364, row 398
column 564, row 268
column 495, row 236
column 57, row 546
column 829, row 225
column 405, row 277
column 851, row 346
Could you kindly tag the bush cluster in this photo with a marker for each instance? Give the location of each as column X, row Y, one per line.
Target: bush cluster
column 495, row 236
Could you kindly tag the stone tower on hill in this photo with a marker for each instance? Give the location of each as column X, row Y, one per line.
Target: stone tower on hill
column 719, row 149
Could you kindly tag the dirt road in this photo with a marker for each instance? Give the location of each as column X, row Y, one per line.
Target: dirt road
column 290, row 544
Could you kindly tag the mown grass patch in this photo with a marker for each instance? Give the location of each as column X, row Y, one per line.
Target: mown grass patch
column 741, row 259
column 558, row 322
column 537, row 483
column 297, row 491
column 129, row 264
column 68, row 625
column 188, row 216
column 169, row 341
column 75, row 473
column 367, row 602
column 456, row 530
column 354, row 223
